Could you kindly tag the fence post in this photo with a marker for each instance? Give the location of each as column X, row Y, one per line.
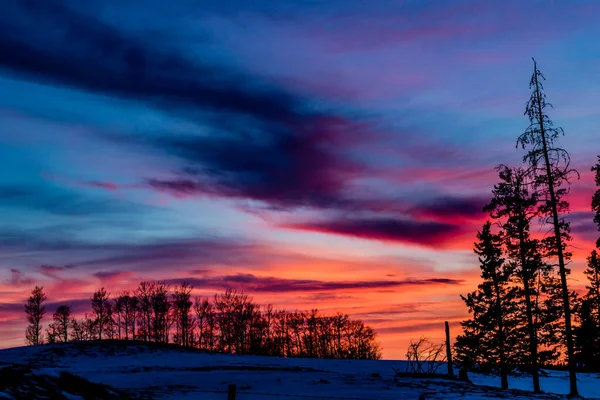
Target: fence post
column 231, row 392
column 448, row 350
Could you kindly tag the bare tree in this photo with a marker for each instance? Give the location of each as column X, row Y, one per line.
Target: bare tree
column 78, row 330
column 160, row 317
column 144, row 298
column 182, row 309
column 424, row 356
column 232, row 323
column 35, row 310
column 126, row 307
column 62, row 320
column 102, row 311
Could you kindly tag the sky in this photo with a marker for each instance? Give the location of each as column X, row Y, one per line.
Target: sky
column 314, row 154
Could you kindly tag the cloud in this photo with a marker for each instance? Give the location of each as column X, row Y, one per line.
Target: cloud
column 410, row 308
column 284, row 168
column 416, row 328
column 323, row 297
column 452, row 208
column 10, row 309
column 177, row 254
column 92, row 253
column 16, row 311
column 112, row 276
column 258, row 141
column 51, row 270
column 61, row 201
column 96, row 56
column 252, row 283
column 18, row 278
column 385, row 229
column 78, row 306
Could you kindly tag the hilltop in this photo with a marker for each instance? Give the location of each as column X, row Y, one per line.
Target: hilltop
column 148, row 371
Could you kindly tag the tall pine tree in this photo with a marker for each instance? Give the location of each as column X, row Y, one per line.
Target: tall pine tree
column 596, row 198
column 514, row 206
column 489, row 336
column 550, row 168
column 587, row 334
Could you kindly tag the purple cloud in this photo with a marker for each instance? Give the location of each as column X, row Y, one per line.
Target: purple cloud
column 252, row 283
column 385, row 229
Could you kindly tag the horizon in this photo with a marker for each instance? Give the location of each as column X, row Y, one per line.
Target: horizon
column 314, row 155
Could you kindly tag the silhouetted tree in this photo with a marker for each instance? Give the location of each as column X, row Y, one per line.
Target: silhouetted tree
column 549, row 165
column 126, row 308
column 182, row 309
column 102, row 312
column 143, row 293
column 35, row 310
column 52, row 333
column 84, row 328
column 596, row 198
column 514, row 205
column 593, row 274
column 62, row 321
column 206, row 323
column 78, row 330
column 269, row 319
column 587, row 334
column 232, row 323
column 466, row 346
column 493, row 304
column 161, row 321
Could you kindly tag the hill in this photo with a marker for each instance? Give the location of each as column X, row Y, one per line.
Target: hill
column 147, row 371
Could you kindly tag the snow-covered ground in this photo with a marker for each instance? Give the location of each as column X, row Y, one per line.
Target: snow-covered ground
column 171, row 373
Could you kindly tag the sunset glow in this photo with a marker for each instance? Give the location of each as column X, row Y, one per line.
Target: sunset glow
column 332, row 155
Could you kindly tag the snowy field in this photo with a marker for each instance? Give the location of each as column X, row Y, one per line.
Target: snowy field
column 171, row 373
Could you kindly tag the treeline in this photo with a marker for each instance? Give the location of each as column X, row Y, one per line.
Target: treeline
column 229, row 322
column 523, row 315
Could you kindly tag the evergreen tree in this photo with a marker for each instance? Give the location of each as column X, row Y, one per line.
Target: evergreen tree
column 587, row 338
column 551, row 318
column 593, row 274
column 549, row 166
column 466, row 346
column 596, row 198
column 587, row 334
column 514, row 205
column 35, row 310
column 489, row 336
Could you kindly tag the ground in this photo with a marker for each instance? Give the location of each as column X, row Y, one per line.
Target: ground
column 167, row 372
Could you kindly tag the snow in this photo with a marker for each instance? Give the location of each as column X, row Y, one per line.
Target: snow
column 555, row 382
column 170, row 373
column 72, row 396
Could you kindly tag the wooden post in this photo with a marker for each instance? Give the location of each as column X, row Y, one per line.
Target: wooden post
column 231, row 392
column 448, row 350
